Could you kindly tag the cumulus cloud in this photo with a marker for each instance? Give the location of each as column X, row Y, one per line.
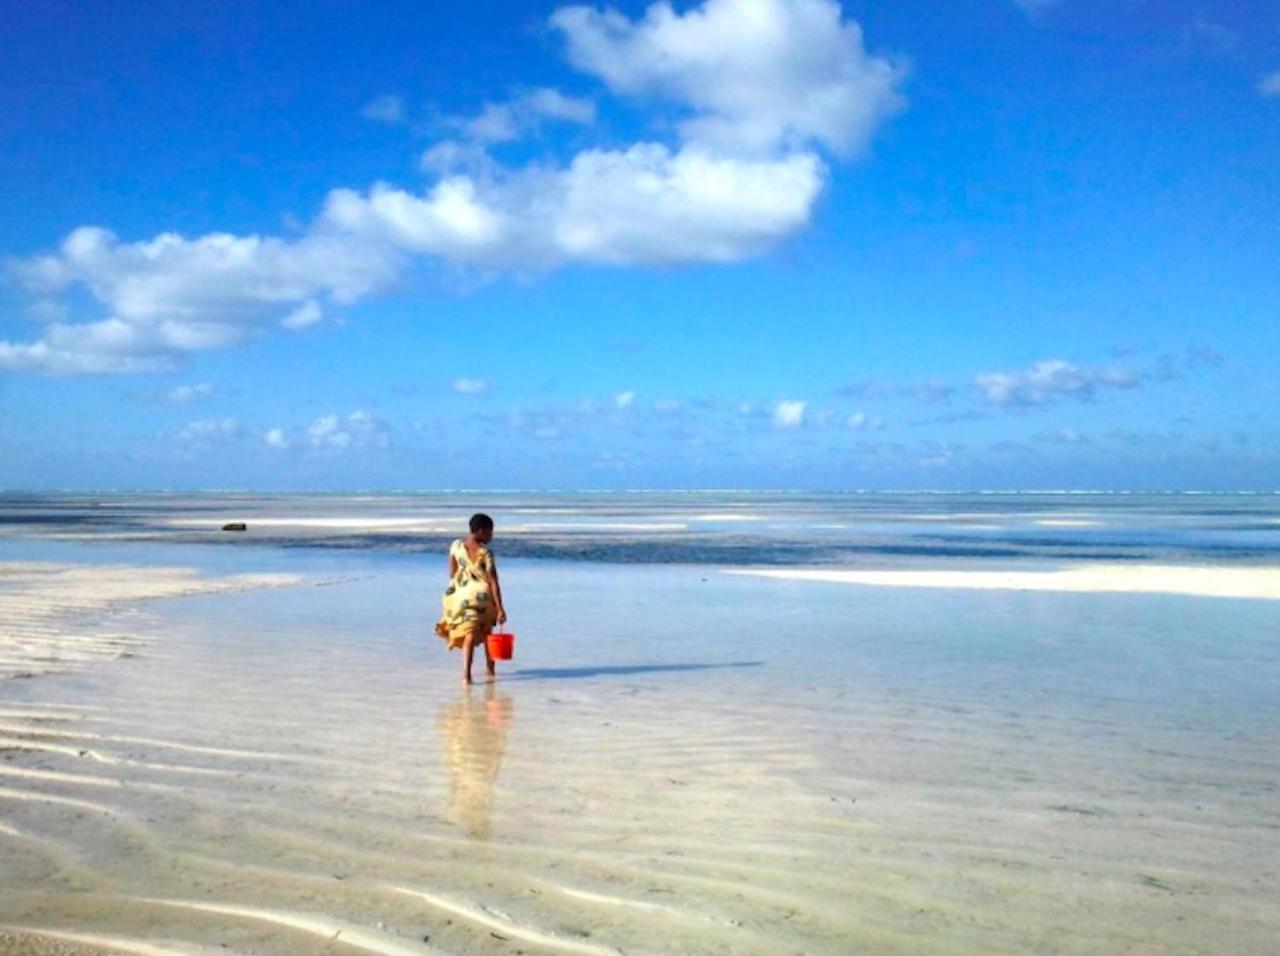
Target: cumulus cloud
column 209, row 431
column 754, row 74
column 861, row 421
column 170, row 296
column 356, row 431
column 643, row 205
column 469, row 386
column 763, row 87
column 187, row 394
column 624, row 399
column 1269, row 85
column 305, row 315
column 509, row 120
column 1049, row 381
column 360, row 429
column 788, row 414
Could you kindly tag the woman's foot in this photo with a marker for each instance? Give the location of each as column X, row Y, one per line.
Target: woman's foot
column 466, row 680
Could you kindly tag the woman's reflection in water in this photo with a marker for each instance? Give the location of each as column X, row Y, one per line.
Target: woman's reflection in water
column 475, row 734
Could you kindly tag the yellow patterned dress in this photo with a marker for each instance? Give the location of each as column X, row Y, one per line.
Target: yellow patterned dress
column 469, row 607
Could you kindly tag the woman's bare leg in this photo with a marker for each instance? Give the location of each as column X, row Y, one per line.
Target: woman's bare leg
column 489, row 668
column 468, row 651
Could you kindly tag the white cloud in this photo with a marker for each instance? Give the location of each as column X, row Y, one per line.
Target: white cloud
column 170, row 296
column 642, row 205
column 387, row 109
column 91, row 348
column 1048, row 381
column 357, row 431
column 1269, row 85
column 766, row 84
column 450, row 220
column 1063, row 436
column 861, row 421
column 509, row 120
column 360, row 429
column 308, row 313
column 930, row 391
column 624, row 399
column 209, row 431
column 469, row 386
column 188, row 394
column 756, row 74
column 449, row 156
column 553, row 104
column 788, row 414
column 649, row 205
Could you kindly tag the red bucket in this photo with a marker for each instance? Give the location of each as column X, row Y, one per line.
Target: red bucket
column 501, row 645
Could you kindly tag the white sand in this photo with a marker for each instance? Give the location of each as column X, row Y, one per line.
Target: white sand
column 51, row 614
column 1261, row 583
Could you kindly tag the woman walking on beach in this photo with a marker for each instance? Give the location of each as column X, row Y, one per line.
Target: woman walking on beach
column 473, row 599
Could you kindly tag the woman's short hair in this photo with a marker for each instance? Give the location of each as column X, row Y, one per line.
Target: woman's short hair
column 481, row 522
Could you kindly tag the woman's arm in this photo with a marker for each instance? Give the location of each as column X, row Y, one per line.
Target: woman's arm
column 497, row 594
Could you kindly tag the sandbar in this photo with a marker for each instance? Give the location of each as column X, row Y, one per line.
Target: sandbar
column 1259, row 583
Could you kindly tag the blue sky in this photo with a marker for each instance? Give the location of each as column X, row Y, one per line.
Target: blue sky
column 743, row 243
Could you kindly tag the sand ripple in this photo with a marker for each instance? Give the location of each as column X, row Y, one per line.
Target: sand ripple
column 51, row 615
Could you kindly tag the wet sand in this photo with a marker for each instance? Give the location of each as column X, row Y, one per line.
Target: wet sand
column 703, row 763
column 56, row 617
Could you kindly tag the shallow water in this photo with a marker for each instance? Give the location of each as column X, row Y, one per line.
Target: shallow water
column 678, row 761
